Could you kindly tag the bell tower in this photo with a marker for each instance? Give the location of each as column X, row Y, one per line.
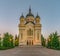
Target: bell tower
column 37, row 19
column 22, row 19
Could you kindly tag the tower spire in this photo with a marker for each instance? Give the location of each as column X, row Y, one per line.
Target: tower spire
column 29, row 13
column 37, row 15
column 29, row 9
column 22, row 16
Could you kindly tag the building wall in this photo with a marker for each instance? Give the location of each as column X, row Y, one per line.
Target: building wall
column 36, row 37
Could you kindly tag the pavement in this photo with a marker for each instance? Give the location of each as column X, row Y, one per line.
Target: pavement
column 29, row 51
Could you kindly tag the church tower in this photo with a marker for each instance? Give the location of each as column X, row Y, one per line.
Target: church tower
column 22, row 19
column 37, row 19
column 29, row 29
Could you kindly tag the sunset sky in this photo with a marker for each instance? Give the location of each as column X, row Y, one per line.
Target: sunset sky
column 48, row 10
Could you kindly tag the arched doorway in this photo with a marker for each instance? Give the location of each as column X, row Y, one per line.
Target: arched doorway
column 29, row 42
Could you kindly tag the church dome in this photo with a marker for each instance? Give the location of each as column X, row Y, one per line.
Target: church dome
column 29, row 14
column 37, row 16
column 22, row 16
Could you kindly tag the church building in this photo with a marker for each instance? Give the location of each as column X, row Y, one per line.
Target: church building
column 29, row 29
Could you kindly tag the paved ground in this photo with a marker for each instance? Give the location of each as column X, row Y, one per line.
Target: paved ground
column 29, row 51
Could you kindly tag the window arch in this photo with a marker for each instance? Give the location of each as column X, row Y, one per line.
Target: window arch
column 21, row 36
column 38, row 35
column 30, row 32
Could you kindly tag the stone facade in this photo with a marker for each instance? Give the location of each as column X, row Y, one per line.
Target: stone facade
column 29, row 30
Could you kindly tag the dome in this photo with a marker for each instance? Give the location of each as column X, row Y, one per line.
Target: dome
column 29, row 14
column 37, row 16
column 22, row 16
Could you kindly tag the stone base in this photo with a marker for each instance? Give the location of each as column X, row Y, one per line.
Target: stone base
column 25, row 43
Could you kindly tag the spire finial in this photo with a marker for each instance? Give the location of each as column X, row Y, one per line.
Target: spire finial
column 22, row 15
column 29, row 9
column 37, row 13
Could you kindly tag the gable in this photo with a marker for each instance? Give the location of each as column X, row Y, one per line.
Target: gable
column 29, row 25
column 29, row 22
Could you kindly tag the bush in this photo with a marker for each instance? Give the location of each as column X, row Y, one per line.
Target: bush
column 53, row 41
column 5, row 48
column 43, row 41
column 16, row 40
column 8, row 40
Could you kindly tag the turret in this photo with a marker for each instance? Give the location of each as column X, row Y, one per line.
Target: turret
column 22, row 20
column 37, row 19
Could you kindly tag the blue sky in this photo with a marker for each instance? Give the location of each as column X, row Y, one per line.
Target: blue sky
column 48, row 10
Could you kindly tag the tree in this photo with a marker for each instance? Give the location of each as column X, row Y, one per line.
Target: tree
column 16, row 40
column 11, row 41
column 0, row 41
column 43, row 41
column 49, row 41
column 8, row 40
column 53, row 41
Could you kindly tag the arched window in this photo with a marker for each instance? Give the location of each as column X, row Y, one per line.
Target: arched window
column 38, row 35
column 29, row 32
column 21, row 36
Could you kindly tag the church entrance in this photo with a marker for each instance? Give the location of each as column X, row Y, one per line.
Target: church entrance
column 29, row 42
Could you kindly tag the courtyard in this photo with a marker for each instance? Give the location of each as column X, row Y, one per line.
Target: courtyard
column 29, row 51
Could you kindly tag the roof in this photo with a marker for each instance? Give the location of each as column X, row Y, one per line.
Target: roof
column 22, row 16
column 37, row 16
column 29, row 14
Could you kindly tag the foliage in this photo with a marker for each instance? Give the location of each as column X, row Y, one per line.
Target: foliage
column 8, row 40
column 0, row 41
column 5, row 48
column 49, row 42
column 43, row 41
column 16, row 40
column 53, row 41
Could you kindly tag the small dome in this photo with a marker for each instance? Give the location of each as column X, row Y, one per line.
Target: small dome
column 22, row 16
column 29, row 14
column 37, row 16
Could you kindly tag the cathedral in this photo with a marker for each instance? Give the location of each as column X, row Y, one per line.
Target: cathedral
column 29, row 29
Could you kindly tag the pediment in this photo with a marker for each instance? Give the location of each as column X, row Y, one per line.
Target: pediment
column 29, row 25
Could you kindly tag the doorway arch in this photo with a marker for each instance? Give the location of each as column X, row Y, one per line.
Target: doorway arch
column 29, row 42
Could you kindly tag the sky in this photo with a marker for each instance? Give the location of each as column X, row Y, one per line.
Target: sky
column 48, row 10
